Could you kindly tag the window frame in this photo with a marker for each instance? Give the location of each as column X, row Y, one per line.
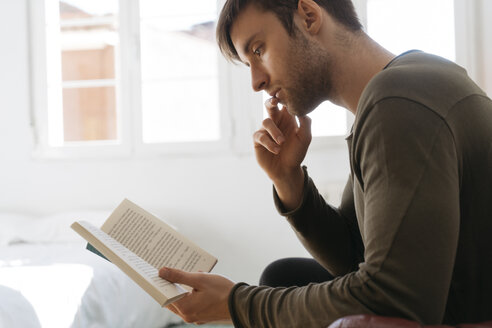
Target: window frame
column 128, row 97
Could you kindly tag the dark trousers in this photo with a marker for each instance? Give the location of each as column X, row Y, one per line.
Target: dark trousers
column 294, row 271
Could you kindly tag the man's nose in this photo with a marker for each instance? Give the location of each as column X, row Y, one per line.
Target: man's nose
column 259, row 78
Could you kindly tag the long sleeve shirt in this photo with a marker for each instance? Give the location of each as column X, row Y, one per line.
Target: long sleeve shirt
column 412, row 237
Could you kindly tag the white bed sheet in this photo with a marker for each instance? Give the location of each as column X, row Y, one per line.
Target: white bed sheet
column 64, row 285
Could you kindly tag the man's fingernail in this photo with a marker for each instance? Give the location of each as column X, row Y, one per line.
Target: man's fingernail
column 280, row 139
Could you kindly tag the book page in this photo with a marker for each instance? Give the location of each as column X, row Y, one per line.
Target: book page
column 148, row 272
column 155, row 241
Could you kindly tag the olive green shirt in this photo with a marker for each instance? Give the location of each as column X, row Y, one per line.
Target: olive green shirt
column 412, row 237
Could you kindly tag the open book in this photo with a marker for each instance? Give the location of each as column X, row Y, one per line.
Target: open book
column 140, row 244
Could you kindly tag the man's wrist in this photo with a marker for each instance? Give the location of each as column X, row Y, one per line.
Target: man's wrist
column 290, row 189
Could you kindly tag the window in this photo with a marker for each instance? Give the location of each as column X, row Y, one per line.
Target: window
column 81, row 49
column 145, row 76
column 125, row 74
column 401, row 25
column 179, row 68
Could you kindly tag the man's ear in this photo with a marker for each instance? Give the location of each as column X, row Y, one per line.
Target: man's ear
column 311, row 15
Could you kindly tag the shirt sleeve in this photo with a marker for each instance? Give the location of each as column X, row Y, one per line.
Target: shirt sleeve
column 330, row 234
column 406, row 169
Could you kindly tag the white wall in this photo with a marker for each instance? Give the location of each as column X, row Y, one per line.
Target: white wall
column 224, row 202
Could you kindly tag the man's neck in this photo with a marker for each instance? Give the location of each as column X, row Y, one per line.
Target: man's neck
column 357, row 66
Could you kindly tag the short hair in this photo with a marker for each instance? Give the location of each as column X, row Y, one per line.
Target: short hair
column 342, row 11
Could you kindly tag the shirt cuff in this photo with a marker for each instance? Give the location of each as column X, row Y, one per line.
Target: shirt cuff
column 278, row 203
column 232, row 310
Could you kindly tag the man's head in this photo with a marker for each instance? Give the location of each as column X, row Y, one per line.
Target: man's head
column 292, row 47
column 341, row 10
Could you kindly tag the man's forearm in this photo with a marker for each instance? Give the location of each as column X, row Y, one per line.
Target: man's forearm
column 290, row 189
column 326, row 233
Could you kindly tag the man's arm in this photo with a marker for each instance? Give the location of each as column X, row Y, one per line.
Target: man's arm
column 407, row 174
column 280, row 147
column 330, row 234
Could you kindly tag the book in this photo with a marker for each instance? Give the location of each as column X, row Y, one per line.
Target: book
column 140, row 244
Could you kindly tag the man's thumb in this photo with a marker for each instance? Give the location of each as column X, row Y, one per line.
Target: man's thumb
column 177, row 276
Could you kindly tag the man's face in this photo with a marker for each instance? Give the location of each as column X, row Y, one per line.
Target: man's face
column 293, row 69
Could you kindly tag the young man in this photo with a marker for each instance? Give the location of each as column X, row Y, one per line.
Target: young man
column 412, row 236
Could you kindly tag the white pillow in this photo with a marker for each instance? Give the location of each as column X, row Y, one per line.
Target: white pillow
column 21, row 228
column 12, row 225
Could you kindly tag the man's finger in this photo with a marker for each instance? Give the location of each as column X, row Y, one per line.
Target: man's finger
column 273, row 130
column 271, row 106
column 173, row 309
column 180, row 277
column 263, row 139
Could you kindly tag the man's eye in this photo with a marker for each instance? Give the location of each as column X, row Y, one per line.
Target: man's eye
column 257, row 52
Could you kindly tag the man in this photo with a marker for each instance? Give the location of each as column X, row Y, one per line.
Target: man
column 412, row 236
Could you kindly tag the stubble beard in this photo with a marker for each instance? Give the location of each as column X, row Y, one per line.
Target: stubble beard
column 310, row 76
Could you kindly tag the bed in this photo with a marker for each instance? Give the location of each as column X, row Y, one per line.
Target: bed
column 48, row 279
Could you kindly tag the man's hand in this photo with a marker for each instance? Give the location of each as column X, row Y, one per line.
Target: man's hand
column 280, row 147
column 208, row 301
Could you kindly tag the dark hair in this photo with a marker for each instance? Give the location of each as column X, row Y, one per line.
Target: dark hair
column 341, row 10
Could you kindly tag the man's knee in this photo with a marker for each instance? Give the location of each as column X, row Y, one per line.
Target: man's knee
column 274, row 274
column 294, row 271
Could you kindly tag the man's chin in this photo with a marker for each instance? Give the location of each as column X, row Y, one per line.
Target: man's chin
column 299, row 111
column 292, row 110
